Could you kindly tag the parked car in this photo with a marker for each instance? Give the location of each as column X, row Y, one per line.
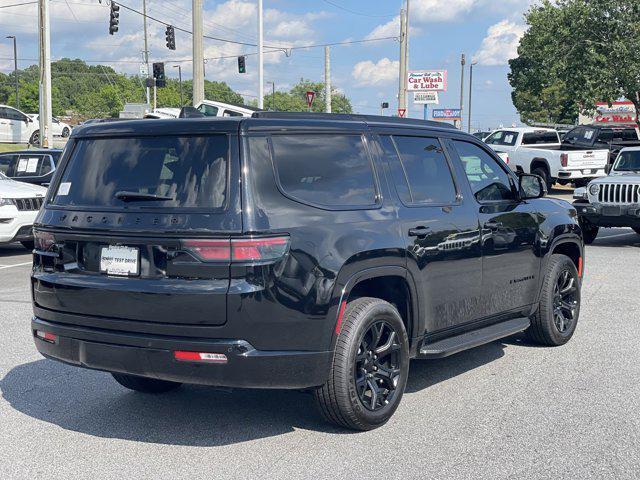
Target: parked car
column 612, row 201
column 609, row 137
column 58, row 128
column 17, row 127
column 163, row 113
column 212, row 108
column 30, row 166
column 539, row 151
column 19, row 204
column 298, row 251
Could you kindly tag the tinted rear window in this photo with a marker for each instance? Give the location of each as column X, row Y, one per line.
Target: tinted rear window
column 537, row 138
column 330, row 170
column 191, row 170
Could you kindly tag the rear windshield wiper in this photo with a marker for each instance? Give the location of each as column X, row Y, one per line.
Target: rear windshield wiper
column 140, row 196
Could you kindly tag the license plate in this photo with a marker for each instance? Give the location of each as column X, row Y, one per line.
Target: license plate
column 611, row 211
column 122, row 261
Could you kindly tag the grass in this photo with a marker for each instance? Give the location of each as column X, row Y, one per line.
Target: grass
column 10, row 147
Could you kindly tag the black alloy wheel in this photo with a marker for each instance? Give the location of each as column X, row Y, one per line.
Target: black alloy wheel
column 558, row 312
column 377, row 366
column 565, row 302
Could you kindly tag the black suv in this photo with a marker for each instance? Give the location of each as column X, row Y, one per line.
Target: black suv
column 299, row 251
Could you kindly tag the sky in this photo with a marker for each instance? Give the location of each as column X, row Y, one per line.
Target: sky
column 487, row 31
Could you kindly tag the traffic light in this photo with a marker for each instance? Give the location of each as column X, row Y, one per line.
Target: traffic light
column 114, row 18
column 158, row 74
column 170, row 35
column 242, row 67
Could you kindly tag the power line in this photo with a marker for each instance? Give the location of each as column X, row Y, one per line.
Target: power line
column 17, row 4
column 358, row 13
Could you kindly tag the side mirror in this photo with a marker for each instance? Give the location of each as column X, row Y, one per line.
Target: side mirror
column 531, row 186
column 607, row 168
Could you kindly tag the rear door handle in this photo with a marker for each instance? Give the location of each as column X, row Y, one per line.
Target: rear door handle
column 419, row 231
column 493, row 225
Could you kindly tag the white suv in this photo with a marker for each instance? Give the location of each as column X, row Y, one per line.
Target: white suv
column 17, row 127
column 19, row 205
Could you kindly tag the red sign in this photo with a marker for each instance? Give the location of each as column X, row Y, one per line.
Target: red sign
column 402, row 112
column 617, row 112
column 310, row 97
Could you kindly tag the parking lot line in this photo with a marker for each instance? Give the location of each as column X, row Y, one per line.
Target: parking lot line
column 2, row 267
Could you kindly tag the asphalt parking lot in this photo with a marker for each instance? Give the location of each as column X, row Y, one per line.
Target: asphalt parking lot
column 505, row 410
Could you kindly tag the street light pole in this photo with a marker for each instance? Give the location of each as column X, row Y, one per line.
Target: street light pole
column 180, row 81
column 15, row 69
column 473, row 62
column 273, row 96
column 260, row 58
column 463, row 61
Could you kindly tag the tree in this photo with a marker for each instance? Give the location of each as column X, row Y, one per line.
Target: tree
column 296, row 99
column 574, row 54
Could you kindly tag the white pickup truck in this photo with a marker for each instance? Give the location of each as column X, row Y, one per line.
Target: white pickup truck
column 540, row 151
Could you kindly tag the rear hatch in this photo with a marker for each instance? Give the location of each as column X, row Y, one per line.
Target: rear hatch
column 122, row 231
column 587, row 158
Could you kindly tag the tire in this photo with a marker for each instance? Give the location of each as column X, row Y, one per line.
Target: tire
column 546, row 327
column 65, row 132
column 144, row 385
column 28, row 244
column 35, row 138
column 589, row 232
column 347, row 398
column 542, row 173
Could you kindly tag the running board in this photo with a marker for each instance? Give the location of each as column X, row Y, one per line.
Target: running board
column 475, row 338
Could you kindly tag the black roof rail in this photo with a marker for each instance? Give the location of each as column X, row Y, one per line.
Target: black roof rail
column 352, row 117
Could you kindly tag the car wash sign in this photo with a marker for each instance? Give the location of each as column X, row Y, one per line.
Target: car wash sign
column 616, row 112
column 427, row 81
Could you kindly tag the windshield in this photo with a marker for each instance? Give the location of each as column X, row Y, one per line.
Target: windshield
column 146, row 172
column 628, row 161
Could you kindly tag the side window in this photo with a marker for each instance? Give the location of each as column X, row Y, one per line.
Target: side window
column 208, row 110
column 231, row 113
column 14, row 114
column 422, row 172
column 332, row 171
column 30, row 165
column 489, row 182
column 5, row 162
column 3, row 112
column 45, row 165
column 495, row 138
column 574, row 135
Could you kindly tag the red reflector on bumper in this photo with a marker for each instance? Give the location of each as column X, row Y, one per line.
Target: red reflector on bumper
column 206, row 357
column 46, row 336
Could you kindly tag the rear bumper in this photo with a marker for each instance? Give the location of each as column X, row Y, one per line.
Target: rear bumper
column 153, row 357
column 581, row 173
column 623, row 216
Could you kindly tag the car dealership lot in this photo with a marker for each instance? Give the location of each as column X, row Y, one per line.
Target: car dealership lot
column 504, row 410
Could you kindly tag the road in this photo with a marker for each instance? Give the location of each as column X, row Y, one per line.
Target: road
column 505, row 410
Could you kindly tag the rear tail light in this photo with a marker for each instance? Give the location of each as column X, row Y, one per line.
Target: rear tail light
column 46, row 336
column 506, row 159
column 209, row 250
column 43, row 240
column 206, row 357
column 564, row 159
column 238, row 249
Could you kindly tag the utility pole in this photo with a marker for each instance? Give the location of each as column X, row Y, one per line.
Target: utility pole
column 463, row 61
column 198, row 53
column 146, row 45
column 15, row 69
column 406, row 60
column 260, row 58
column 180, row 82
column 402, row 84
column 473, row 62
column 327, row 80
column 44, row 114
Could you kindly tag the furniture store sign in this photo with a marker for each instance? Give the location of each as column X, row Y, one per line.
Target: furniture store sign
column 427, row 81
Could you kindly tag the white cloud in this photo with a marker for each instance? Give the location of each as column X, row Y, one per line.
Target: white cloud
column 501, row 43
column 369, row 73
